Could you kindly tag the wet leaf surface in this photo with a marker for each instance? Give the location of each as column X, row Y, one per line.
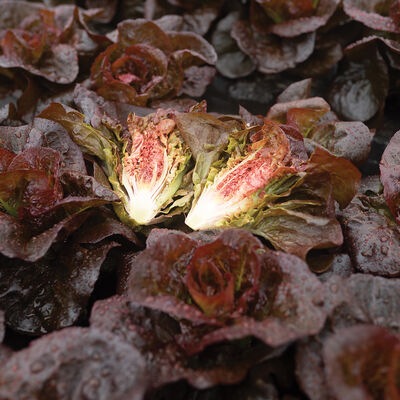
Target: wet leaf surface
column 108, row 368
column 372, row 235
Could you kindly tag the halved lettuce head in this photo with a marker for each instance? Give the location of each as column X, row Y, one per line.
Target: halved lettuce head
column 263, row 180
column 152, row 167
column 239, row 182
column 146, row 164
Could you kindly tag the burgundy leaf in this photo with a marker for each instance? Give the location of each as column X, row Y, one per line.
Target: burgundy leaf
column 77, row 363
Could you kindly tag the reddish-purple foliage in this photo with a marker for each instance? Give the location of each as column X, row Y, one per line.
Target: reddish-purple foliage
column 147, row 64
column 360, row 89
column 270, row 53
column 291, row 18
column 109, row 368
column 256, row 305
column 362, row 362
column 375, row 14
column 319, row 127
column 371, row 233
column 390, row 175
column 154, row 333
column 46, row 42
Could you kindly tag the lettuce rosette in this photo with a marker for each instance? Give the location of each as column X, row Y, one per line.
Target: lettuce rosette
column 206, row 311
column 54, row 43
column 55, row 228
column 146, row 64
column 291, row 18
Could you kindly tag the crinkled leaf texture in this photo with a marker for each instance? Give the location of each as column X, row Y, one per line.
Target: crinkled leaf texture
column 366, row 299
column 360, row 90
column 362, row 362
column 38, row 49
column 372, row 235
column 319, row 127
column 147, row 64
column 310, row 18
column 153, row 333
column 41, row 205
column 75, row 363
column 271, row 53
column 361, row 299
column 53, row 292
column 390, row 175
column 275, row 297
column 193, row 16
column 372, row 13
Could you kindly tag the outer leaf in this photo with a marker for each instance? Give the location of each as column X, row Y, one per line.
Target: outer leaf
column 271, row 53
column 231, row 63
column 5, row 159
column 61, row 65
column 341, row 266
column 58, row 139
column 362, row 362
column 390, row 175
column 18, row 241
column 51, row 293
column 372, row 235
column 154, row 336
column 350, row 140
column 278, row 112
column 201, row 130
column 372, row 14
column 363, row 82
column 296, row 91
column 191, row 48
column 345, row 177
column 282, row 226
column 54, row 291
column 77, row 363
column 83, row 134
column 16, row 139
column 306, row 23
column 17, row 12
column 368, row 299
column 363, row 299
column 322, row 61
column 196, row 81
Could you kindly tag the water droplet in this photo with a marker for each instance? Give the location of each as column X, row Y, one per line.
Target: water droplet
column 94, row 382
column 367, row 253
column 318, row 300
column 334, row 288
column 384, row 250
column 37, row 366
